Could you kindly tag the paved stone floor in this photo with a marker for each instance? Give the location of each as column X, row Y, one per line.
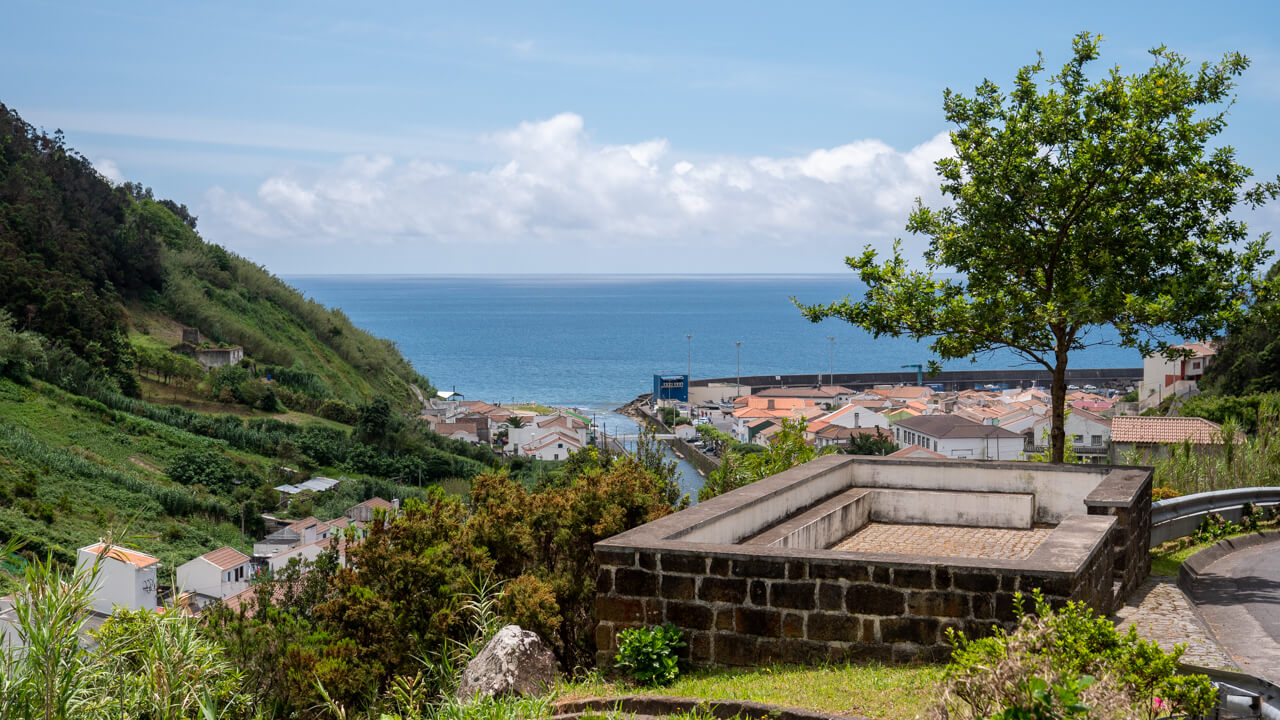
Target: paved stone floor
column 1161, row 612
column 944, row 540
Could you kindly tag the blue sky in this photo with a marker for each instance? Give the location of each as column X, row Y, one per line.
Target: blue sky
column 592, row 137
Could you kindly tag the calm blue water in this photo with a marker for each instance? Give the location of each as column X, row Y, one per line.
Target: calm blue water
column 595, row 341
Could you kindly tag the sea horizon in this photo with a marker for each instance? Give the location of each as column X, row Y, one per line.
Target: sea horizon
column 596, row 339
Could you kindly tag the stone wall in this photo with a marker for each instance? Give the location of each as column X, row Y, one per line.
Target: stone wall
column 1126, row 496
column 737, row 609
column 747, row 576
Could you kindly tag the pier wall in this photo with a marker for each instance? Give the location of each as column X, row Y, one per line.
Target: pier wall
column 1118, row 378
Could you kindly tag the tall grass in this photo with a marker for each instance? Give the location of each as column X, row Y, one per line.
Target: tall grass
column 1237, row 461
column 137, row 665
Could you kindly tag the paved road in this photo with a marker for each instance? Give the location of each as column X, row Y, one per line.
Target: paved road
column 1239, row 597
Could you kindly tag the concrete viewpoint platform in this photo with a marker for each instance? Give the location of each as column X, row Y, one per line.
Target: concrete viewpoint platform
column 755, row 575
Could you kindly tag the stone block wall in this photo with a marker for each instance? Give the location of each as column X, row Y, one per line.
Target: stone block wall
column 1126, row 496
column 738, row 609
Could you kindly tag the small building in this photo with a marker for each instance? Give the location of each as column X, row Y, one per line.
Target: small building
column 363, row 512
column 126, row 578
column 302, row 532
column 1088, row 433
column 554, row 446
column 210, row 358
column 670, row 388
column 1162, row 377
column 686, row 432
column 449, row 395
column 220, row 573
column 1149, row 438
column 956, row 437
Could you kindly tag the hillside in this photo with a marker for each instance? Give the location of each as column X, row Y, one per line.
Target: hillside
column 104, row 428
column 85, row 262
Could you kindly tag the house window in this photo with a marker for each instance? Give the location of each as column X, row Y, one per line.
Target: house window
column 1095, row 440
column 1077, row 439
column 240, row 573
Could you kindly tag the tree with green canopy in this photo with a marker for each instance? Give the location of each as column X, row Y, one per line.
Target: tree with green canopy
column 1074, row 206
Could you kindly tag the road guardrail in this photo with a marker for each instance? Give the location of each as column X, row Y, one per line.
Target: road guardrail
column 1179, row 517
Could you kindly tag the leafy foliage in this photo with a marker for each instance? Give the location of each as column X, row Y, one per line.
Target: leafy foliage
column 1040, row 670
column 786, row 450
column 1076, row 206
column 71, row 247
column 1248, row 360
column 878, row 444
column 648, row 655
column 197, row 466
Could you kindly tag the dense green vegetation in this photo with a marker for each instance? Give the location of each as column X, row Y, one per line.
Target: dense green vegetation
column 103, row 427
column 407, row 604
column 82, row 257
column 1248, row 361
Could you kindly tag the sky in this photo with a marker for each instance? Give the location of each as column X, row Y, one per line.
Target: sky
column 479, row 138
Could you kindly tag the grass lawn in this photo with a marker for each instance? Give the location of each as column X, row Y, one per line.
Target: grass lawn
column 874, row 690
column 1166, row 559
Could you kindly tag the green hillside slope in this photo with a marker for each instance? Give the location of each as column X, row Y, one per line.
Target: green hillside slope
column 104, row 429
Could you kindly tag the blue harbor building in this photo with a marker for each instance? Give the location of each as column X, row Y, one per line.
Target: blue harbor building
column 671, row 387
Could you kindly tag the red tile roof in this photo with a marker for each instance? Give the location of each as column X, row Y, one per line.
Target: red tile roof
column 1137, row 429
column 226, row 558
column 115, row 552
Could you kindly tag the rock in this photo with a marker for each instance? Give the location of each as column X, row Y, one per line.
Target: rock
column 514, row 662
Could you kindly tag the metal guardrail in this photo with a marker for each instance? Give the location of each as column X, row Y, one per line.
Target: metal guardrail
column 1179, row 517
column 1240, row 695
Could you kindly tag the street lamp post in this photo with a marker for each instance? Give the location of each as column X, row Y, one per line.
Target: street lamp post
column 739, row 385
column 831, row 361
column 689, row 372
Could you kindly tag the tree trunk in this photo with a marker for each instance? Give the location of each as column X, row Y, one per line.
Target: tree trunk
column 1058, row 392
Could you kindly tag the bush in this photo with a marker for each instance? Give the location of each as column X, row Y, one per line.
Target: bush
column 648, row 654
column 202, row 467
column 1067, row 663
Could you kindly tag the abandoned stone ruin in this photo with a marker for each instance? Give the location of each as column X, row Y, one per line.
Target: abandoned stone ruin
column 851, row 557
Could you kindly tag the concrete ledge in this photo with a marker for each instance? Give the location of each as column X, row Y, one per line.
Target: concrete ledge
column 1191, row 570
column 944, row 507
column 658, row 705
column 821, row 526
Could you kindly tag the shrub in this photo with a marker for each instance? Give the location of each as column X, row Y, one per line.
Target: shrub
column 1056, row 663
column 648, row 654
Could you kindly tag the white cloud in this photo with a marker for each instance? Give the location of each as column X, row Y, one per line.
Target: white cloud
column 556, row 187
column 109, row 170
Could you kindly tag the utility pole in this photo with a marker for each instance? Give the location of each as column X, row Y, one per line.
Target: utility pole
column 689, row 372
column 831, row 362
column 739, row 385
column 919, row 373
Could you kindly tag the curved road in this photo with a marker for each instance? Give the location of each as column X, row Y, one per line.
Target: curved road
column 1239, row 597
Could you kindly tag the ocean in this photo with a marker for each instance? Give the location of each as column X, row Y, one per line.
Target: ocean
column 595, row 341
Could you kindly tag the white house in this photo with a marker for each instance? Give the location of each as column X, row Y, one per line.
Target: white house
column 687, row 432
column 533, row 434
column 956, row 437
column 1162, row 377
column 851, row 416
column 302, row 532
column 1088, row 433
column 126, row 578
column 220, row 573
column 555, row 446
